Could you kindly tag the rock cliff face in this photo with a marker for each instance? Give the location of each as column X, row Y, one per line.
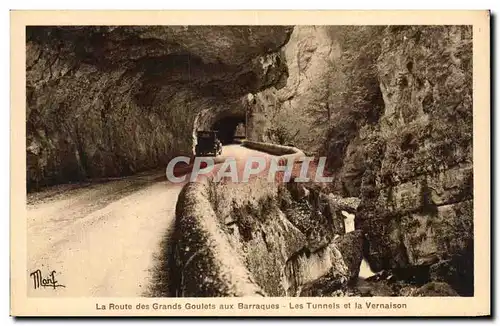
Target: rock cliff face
column 416, row 183
column 286, row 237
column 278, row 239
column 415, row 165
column 279, row 114
column 405, row 149
column 110, row 101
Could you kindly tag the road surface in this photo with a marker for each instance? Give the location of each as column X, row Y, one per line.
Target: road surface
column 104, row 240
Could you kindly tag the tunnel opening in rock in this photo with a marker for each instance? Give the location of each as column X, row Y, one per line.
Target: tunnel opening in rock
column 230, row 128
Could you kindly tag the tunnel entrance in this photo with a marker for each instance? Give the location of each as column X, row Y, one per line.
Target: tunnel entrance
column 230, row 128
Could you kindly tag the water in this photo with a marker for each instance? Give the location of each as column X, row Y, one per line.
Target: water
column 364, row 270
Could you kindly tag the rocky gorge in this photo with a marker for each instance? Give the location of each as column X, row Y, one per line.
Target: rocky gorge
column 390, row 107
column 393, row 106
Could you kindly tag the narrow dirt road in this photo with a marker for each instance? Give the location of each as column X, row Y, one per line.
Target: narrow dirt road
column 104, row 239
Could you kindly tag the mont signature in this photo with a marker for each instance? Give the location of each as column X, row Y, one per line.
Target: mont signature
column 48, row 281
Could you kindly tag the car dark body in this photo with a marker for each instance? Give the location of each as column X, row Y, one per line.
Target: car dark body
column 208, row 144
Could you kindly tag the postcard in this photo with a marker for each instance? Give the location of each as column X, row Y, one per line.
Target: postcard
column 250, row 163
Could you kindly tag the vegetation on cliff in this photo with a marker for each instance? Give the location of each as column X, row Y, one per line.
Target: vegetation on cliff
column 391, row 108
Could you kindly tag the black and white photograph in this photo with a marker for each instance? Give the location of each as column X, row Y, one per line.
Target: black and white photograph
column 250, row 160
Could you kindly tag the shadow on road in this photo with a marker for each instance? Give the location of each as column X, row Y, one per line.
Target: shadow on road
column 160, row 285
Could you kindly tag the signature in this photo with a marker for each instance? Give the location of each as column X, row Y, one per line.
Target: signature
column 48, row 281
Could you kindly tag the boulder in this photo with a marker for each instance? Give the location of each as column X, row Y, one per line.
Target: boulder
column 457, row 271
column 313, row 274
column 351, row 247
column 435, row 289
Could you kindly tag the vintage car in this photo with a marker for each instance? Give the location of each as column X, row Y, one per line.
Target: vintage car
column 208, row 144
